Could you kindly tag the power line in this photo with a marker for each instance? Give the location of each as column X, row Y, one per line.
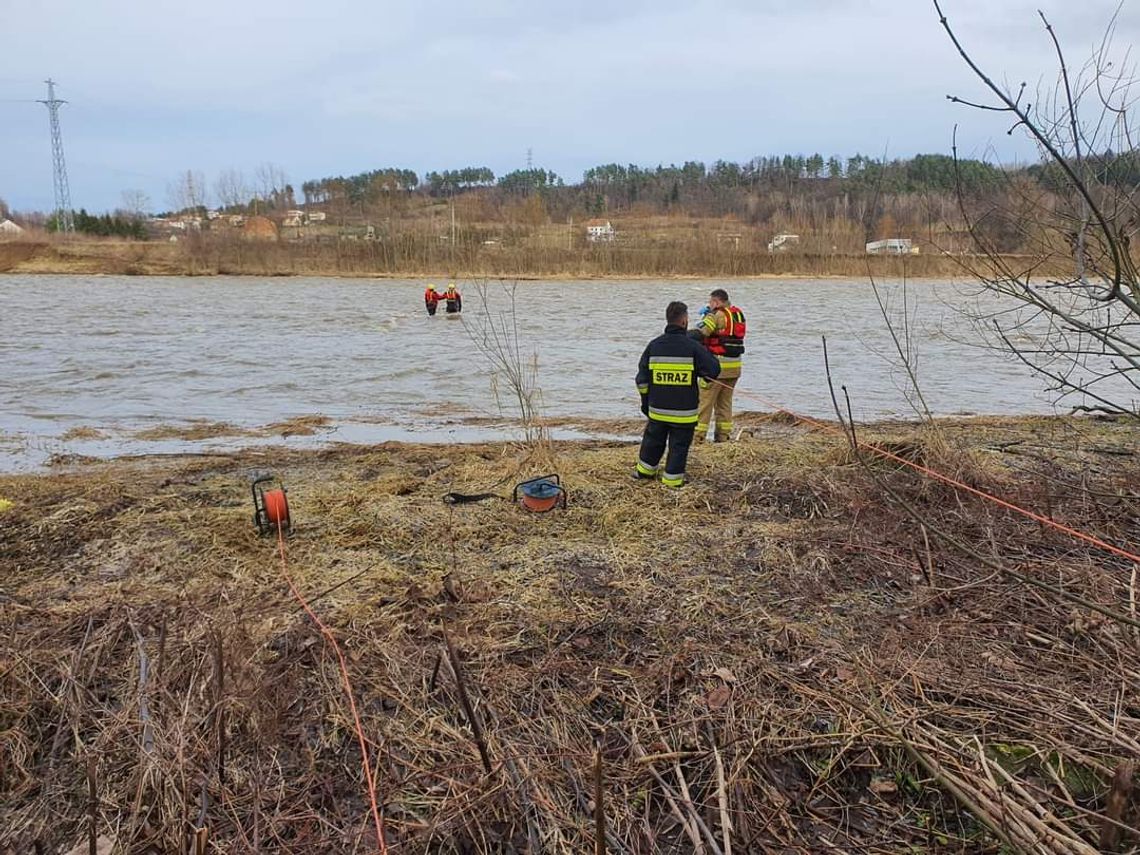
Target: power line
column 64, row 219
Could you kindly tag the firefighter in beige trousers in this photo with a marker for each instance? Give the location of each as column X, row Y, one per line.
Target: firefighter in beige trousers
column 722, row 331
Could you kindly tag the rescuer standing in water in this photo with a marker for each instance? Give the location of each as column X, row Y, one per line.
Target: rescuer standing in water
column 454, row 299
column 431, row 299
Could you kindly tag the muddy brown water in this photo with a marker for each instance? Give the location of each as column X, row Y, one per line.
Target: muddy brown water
column 101, row 359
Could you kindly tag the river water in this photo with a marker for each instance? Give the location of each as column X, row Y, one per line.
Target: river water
column 120, row 356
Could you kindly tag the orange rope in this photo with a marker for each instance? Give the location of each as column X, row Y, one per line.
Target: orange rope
column 953, row 482
column 348, row 690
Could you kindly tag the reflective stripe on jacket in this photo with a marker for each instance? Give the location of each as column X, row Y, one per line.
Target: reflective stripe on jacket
column 723, row 330
column 667, row 376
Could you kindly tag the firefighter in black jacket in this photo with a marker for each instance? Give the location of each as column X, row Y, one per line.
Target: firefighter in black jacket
column 667, row 380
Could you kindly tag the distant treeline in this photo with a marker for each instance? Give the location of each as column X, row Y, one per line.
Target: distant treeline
column 103, row 225
column 671, row 185
column 839, row 202
column 835, row 203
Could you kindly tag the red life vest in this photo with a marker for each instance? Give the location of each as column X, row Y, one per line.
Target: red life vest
column 432, row 296
column 730, row 342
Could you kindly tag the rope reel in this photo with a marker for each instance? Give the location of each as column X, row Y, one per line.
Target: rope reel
column 540, row 495
column 537, row 495
column 270, row 505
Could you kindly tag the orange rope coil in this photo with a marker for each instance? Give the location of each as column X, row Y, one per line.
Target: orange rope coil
column 276, row 506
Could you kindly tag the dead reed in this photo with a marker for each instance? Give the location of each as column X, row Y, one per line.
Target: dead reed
column 774, row 659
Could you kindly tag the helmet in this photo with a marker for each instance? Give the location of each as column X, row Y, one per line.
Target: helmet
column 431, row 287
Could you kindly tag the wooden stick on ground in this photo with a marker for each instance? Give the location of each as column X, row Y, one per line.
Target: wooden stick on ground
column 92, row 806
column 465, row 701
column 219, row 711
column 722, row 799
column 599, row 805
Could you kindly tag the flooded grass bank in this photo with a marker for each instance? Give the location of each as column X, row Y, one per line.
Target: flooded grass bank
column 774, row 656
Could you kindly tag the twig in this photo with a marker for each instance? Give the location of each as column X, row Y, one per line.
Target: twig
column 1116, row 804
column 929, row 557
column 92, row 806
column 722, row 799
column 201, row 829
column 599, row 805
column 465, row 701
column 219, row 708
column 671, row 800
column 144, row 704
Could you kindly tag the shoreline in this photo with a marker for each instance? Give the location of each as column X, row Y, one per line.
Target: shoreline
column 354, row 260
column 315, row 434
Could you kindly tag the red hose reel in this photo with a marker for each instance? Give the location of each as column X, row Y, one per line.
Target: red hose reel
column 270, row 505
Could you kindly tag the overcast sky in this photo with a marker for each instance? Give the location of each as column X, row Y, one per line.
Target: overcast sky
column 326, row 87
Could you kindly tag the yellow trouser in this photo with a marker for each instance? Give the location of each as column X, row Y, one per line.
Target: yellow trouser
column 716, row 399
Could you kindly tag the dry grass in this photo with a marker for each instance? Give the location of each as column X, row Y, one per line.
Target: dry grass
column 309, row 425
column 416, row 254
column 774, row 658
column 195, row 430
column 78, row 433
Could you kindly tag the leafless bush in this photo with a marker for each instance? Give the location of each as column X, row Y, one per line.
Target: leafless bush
column 1079, row 330
column 898, row 308
column 514, row 367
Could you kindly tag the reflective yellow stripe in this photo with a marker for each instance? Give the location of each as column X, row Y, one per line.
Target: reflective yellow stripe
column 670, row 360
column 709, row 321
column 731, row 362
column 674, row 420
column 646, row 470
column 644, row 390
column 676, row 481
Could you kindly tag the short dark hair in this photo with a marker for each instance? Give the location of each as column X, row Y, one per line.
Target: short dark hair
column 720, row 294
column 675, row 311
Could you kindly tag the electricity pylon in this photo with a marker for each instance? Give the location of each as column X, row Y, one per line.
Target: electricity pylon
column 64, row 218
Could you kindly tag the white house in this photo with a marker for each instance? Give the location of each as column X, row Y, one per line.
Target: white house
column 782, row 243
column 892, row 246
column 8, row 229
column 599, row 230
column 316, row 216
